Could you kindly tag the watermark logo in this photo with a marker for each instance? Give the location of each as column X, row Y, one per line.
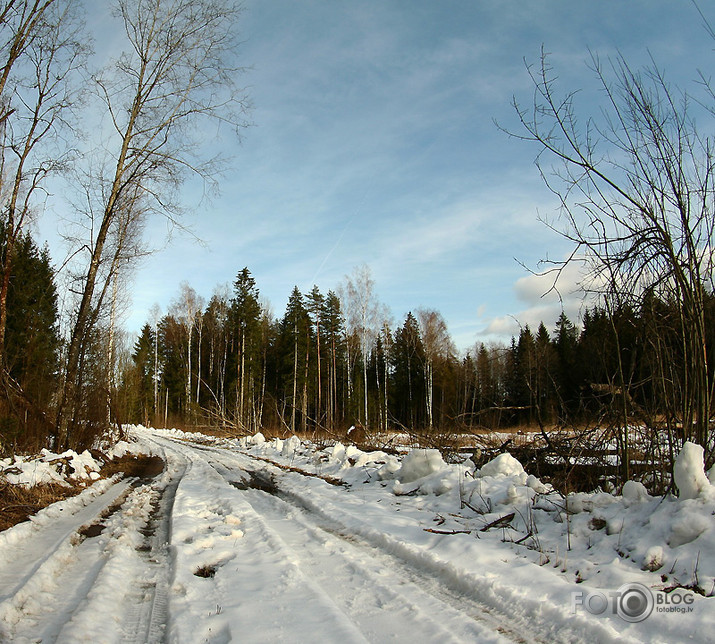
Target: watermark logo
column 631, row 602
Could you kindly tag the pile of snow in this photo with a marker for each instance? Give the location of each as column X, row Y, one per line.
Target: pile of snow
column 599, row 538
column 633, row 493
column 689, row 472
column 120, row 448
column 48, row 467
column 290, row 446
column 419, row 463
column 503, row 465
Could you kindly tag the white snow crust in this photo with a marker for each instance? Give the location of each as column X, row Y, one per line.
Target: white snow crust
column 354, row 546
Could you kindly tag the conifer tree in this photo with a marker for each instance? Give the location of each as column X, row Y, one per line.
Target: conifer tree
column 294, row 331
column 565, row 343
column 487, row 388
column 315, row 305
column 245, row 321
column 545, row 362
column 408, row 356
column 32, row 335
column 143, row 357
column 334, row 326
column 172, row 356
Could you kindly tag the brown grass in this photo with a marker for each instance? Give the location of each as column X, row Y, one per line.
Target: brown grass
column 18, row 503
column 205, row 571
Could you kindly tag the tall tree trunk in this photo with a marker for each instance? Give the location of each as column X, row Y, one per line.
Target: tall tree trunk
column 295, row 377
column 84, row 318
column 198, row 364
column 156, row 368
column 364, row 380
column 190, row 332
column 304, row 402
column 110, row 349
column 428, row 392
column 319, row 411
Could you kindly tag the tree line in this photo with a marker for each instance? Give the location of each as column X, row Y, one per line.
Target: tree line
column 332, row 361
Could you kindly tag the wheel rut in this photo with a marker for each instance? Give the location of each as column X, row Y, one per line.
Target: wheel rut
column 383, row 584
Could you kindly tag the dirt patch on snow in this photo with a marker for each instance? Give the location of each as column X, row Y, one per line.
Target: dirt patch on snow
column 141, row 466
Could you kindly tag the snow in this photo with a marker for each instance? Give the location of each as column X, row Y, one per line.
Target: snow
column 419, row 463
column 597, row 541
column 48, row 467
column 653, row 558
column 634, row 492
column 285, row 540
column 503, row 465
column 689, row 472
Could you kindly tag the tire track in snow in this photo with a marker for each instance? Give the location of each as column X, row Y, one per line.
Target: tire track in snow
column 40, row 561
column 258, row 591
column 147, row 620
column 385, row 601
column 487, row 599
column 68, row 580
column 385, row 597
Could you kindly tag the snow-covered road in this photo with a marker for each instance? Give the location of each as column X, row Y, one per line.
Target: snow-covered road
column 299, row 574
column 226, row 545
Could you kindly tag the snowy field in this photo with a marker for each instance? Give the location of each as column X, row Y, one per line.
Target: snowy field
column 280, row 541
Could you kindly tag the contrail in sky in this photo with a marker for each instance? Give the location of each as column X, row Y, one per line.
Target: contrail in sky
column 337, row 243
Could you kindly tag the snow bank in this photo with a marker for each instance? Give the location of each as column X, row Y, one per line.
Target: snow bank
column 258, row 439
column 634, row 492
column 48, row 467
column 503, row 465
column 290, row 446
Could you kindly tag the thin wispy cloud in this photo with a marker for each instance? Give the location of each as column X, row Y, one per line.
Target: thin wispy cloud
column 373, row 142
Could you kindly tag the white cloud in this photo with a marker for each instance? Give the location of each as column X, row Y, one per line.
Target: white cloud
column 546, row 296
column 552, row 285
column 374, row 143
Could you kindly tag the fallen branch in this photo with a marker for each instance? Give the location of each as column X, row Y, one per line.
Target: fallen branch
column 501, row 522
column 466, row 504
column 524, row 538
column 432, row 530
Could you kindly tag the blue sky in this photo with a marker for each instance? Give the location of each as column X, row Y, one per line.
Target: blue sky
column 373, row 142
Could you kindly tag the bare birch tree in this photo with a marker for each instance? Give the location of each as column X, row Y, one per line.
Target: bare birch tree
column 437, row 345
column 363, row 318
column 187, row 309
column 176, row 75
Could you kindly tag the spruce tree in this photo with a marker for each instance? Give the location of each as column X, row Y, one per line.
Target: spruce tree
column 143, row 357
column 334, row 330
column 408, row 388
column 295, row 343
column 315, row 306
column 32, row 342
column 566, row 346
column 245, row 322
